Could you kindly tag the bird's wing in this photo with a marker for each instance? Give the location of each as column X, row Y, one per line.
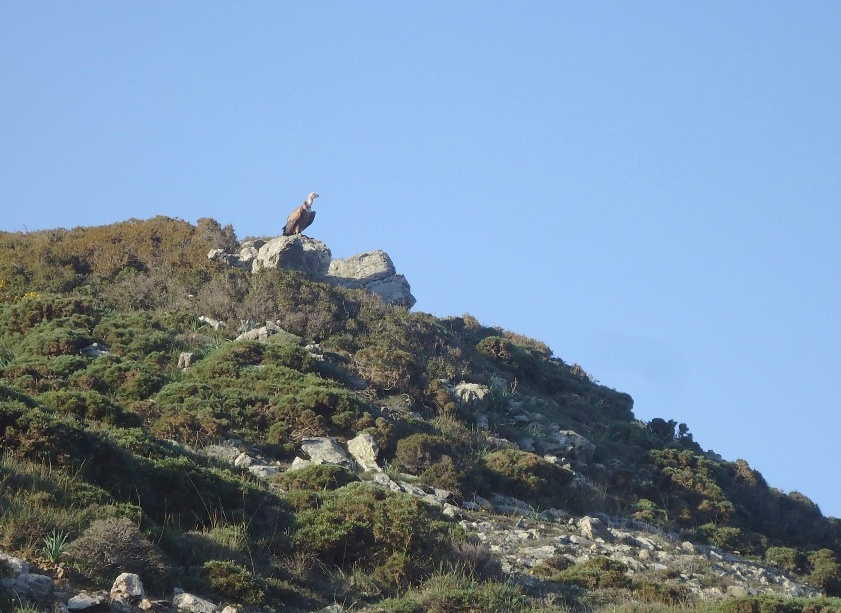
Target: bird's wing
column 293, row 218
column 306, row 219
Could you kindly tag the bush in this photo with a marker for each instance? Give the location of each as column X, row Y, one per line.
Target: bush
column 363, row 525
column 316, row 478
column 596, row 573
column 113, row 546
column 418, row 452
column 234, row 581
column 527, row 476
column 825, row 572
column 785, row 558
column 762, row 604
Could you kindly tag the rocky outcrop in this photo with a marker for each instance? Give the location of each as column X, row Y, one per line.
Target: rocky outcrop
column 375, row 272
column 372, row 271
column 302, row 253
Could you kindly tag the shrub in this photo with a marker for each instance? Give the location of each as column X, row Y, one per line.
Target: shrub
column 316, row 478
column 785, row 558
column 595, row 573
column 671, row 595
column 112, row 546
column 417, row 452
column 825, row 572
column 761, row 604
column 527, row 476
column 234, row 581
column 364, row 525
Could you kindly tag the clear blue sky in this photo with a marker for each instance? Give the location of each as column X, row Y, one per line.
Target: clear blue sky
column 651, row 188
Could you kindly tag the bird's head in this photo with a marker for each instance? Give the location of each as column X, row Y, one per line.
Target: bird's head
column 312, row 197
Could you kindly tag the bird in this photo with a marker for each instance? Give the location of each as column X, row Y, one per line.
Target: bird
column 300, row 218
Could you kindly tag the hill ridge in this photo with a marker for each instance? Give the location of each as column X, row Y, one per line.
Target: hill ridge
column 466, row 409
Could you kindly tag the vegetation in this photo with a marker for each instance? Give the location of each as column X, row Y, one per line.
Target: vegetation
column 102, row 469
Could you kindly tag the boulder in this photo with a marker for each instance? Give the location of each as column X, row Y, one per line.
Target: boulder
column 28, row 587
column 570, row 445
column 592, row 528
column 364, row 450
column 85, row 602
column 468, row 394
column 187, row 603
column 260, row 333
column 128, row 588
column 323, row 450
column 373, row 271
column 185, row 360
column 94, row 350
column 307, row 255
column 213, row 323
column 362, row 268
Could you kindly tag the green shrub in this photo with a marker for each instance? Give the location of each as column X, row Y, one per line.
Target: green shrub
column 417, row 452
column 316, row 478
column 656, row 591
column 453, row 593
column 364, row 525
column 762, row 604
column 596, row 573
column 526, row 476
column 785, row 558
column 825, row 571
column 234, row 581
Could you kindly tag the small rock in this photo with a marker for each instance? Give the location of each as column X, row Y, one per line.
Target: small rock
column 193, row 604
column 88, row 603
column 128, row 586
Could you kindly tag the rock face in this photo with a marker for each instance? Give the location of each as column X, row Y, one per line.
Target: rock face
column 375, row 272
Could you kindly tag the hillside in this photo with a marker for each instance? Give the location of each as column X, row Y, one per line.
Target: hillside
column 484, row 472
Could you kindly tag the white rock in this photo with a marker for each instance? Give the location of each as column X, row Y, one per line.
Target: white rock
column 324, row 450
column 364, row 450
column 128, row 585
column 84, row 601
column 193, row 604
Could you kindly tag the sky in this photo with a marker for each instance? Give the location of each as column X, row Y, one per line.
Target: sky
column 651, row 188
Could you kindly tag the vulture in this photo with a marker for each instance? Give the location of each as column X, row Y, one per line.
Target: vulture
column 300, row 218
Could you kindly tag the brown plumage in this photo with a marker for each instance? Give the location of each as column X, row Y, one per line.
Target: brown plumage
column 300, row 218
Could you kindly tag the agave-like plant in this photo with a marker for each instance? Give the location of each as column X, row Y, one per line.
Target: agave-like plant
column 55, row 546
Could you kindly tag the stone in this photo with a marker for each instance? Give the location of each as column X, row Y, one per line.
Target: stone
column 571, row 445
column 128, row 586
column 223, row 453
column 298, row 464
column 324, row 450
column 593, row 529
column 260, row 333
column 263, row 471
column 85, row 602
column 185, row 360
column 95, row 350
column 469, row 394
column 364, row 450
column 301, row 253
column 187, row 603
column 373, row 271
column 213, row 323
column 16, row 566
column 362, row 268
column 28, row 586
